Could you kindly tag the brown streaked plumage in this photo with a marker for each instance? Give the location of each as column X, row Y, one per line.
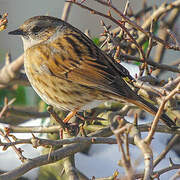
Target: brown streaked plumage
column 69, row 72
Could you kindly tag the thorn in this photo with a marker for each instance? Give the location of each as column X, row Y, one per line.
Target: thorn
column 20, row 150
column 13, row 137
column 136, row 76
column 109, row 13
column 93, row 140
column 92, row 12
column 103, row 34
column 87, row 33
column 115, row 174
column 62, row 172
column 170, row 79
column 171, row 162
column 150, row 70
column 102, row 22
column 8, row 58
column 109, row 2
column 135, row 122
column 5, row 148
column 5, row 15
column 6, row 130
column 109, row 27
column 49, row 109
column 5, row 101
column 82, row 1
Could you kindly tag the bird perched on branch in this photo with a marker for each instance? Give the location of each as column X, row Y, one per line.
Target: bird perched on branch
column 69, row 72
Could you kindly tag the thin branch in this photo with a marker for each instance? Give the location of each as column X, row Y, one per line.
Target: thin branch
column 36, row 142
column 66, row 11
column 166, row 150
column 146, row 151
column 140, row 143
column 166, row 8
column 18, row 151
column 6, row 106
column 176, row 176
column 125, row 162
column 172, row 84
column 158, row 114
column 154, row 93
column 160, row 128
column 9, row 73
column 162, row 33
column 157, row 174
column 26, row 112
column 173, row 166
column 55, row 129
column 164, row 67
column 43, row 160
column 33, row 129
column 109, row 16
column 54, row 156
column 69, row 162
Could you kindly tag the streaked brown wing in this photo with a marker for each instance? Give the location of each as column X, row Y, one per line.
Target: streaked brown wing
column 77, row 59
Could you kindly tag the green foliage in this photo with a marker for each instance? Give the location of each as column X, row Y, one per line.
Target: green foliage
column 96, row 41
column 6, row 93
column 20, row 95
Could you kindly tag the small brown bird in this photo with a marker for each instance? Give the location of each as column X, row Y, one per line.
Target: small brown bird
column 69, row 72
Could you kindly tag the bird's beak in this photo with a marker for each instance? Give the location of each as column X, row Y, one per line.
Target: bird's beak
column 17, row 32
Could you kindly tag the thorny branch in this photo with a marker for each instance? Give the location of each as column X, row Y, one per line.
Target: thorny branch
column 55, row 129
column 158, row 114
column 139, row 142
column 166, row 8
column 54, row 156
column 163, row 67
column 18, row 151
column 36, row 142
column 166, row 150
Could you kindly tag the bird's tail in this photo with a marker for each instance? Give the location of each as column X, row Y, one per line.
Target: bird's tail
column 145, row 105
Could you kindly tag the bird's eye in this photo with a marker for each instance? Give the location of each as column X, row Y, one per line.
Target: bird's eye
column 36, row 29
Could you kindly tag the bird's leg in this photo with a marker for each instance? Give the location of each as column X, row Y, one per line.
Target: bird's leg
column 70, row 115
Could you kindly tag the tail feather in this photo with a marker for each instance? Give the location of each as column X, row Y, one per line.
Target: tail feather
column 142, row 103
column 145, row 105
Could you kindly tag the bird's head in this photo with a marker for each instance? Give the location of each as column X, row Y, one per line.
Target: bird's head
column 38, row 29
